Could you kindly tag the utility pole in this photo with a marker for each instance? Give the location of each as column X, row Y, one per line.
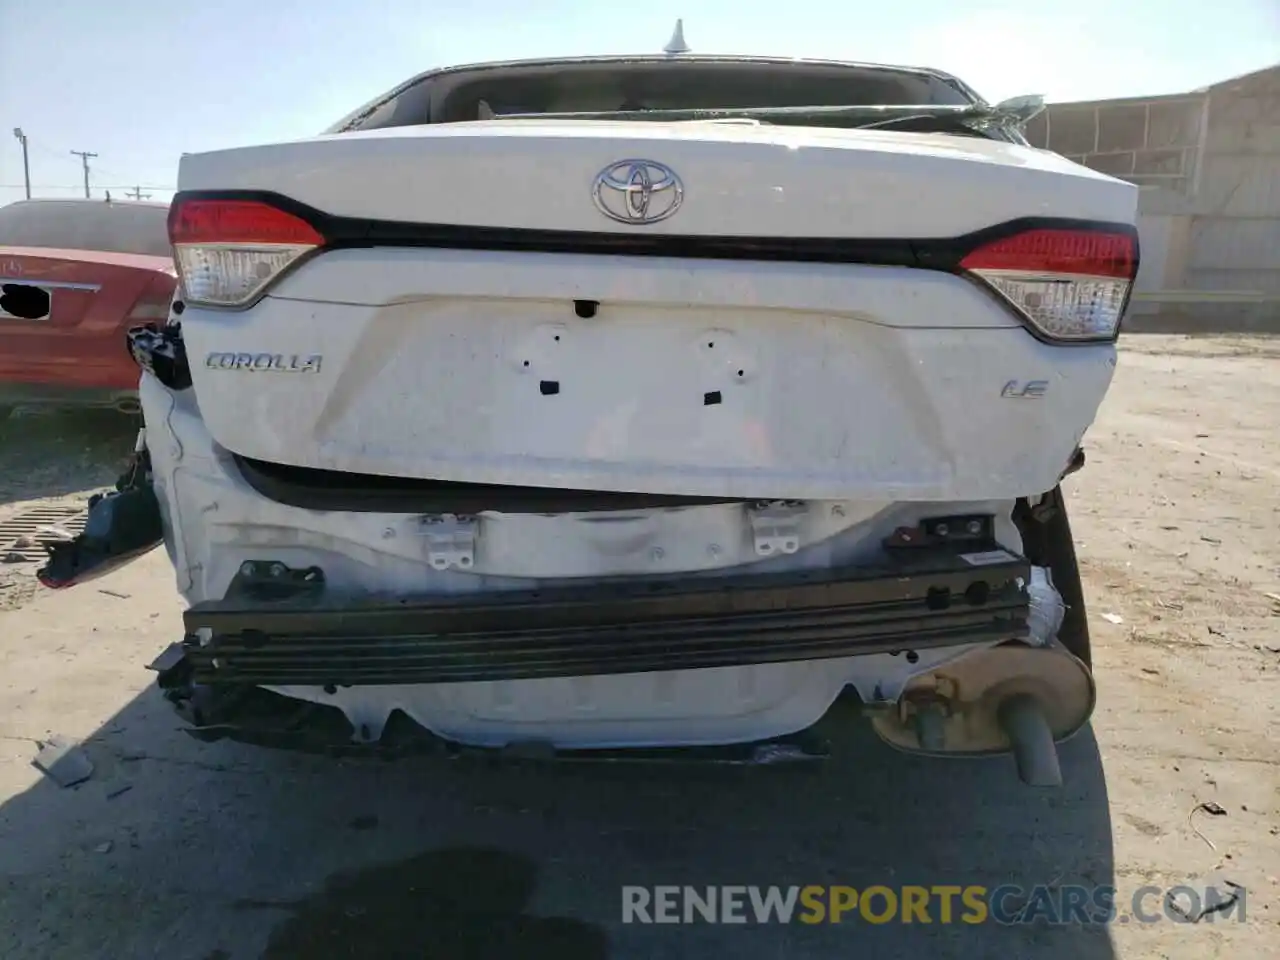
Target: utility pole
column 84, row 156
column 26, row 167
column 137, row 193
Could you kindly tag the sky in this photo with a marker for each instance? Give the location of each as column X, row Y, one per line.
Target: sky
column 139, row 82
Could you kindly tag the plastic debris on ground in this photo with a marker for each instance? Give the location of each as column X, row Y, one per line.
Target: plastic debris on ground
column 63, row 762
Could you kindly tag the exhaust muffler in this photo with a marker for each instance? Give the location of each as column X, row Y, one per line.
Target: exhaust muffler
column 1007, row 699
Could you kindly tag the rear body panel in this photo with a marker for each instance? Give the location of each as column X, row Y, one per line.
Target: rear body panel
column 76, row 352
column 724, row 379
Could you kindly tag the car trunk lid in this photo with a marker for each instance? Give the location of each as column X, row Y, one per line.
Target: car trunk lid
column 452, row 304
column 735, row 179
column 57, row 306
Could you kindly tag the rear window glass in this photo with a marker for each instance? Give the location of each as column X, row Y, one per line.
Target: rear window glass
column 110, row 227
column 482, row 93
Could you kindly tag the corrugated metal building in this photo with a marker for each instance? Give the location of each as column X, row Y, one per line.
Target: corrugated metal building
column 1208, row 163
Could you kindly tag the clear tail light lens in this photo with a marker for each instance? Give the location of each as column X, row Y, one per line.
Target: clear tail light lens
column 1070, row 285
column 146, row 311
column 229, row 251
column 154, row 302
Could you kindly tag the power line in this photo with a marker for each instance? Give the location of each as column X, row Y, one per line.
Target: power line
column 59, row 156
column 53, row 154
column 137, row 193
column 84, row 156
column 162, row 187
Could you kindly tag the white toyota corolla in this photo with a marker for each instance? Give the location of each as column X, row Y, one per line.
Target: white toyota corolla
column 630, row 402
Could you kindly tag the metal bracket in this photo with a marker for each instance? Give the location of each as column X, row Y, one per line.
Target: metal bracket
column 939, row 531
column 775, row 526
column 451, row 540
column 1043, row 510
column 271, row 580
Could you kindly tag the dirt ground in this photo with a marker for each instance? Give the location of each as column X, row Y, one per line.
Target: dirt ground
column 225, row 852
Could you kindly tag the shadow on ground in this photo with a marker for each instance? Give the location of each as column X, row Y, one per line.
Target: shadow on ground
column 180, row 850
column 59, row 453
column 226, row 851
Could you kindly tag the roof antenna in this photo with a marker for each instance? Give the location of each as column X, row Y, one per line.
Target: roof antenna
column 676, row 44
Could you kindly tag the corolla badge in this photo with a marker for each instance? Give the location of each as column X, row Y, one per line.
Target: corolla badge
column 637, row 191
column 264, row 362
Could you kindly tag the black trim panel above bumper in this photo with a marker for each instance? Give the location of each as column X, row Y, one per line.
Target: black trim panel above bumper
column 925, row 599
column 313, row 489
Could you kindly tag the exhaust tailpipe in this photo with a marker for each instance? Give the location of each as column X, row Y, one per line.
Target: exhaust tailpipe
column 996, row 700
column 931, row 726
column 1034, row 751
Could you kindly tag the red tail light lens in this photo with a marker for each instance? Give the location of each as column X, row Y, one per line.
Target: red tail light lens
column 237, row 221
column 1071, row 285
column 229, row 251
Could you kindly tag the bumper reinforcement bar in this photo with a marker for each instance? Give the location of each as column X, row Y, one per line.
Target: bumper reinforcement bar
column 277, row 626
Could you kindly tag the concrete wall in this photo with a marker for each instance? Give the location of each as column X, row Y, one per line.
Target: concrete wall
column 1235, row 229
column 1148, row 142
column 1154, row 143
column 1208, row 164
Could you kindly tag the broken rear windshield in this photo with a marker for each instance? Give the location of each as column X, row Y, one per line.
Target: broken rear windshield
column 584, row 87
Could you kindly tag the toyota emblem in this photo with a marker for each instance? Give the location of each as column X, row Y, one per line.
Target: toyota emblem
column 637, row 191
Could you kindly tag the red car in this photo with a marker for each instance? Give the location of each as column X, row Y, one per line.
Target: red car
column 74, row 276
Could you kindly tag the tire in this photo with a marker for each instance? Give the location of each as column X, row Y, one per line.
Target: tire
column 1047, row 542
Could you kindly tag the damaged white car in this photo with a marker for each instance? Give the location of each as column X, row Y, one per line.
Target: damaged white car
column 630, row 403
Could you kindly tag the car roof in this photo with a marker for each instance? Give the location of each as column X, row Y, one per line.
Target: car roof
column 130, row 226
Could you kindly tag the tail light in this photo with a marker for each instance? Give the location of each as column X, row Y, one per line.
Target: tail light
column 154, row 302
column 1069, row 285
column 229, row 251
